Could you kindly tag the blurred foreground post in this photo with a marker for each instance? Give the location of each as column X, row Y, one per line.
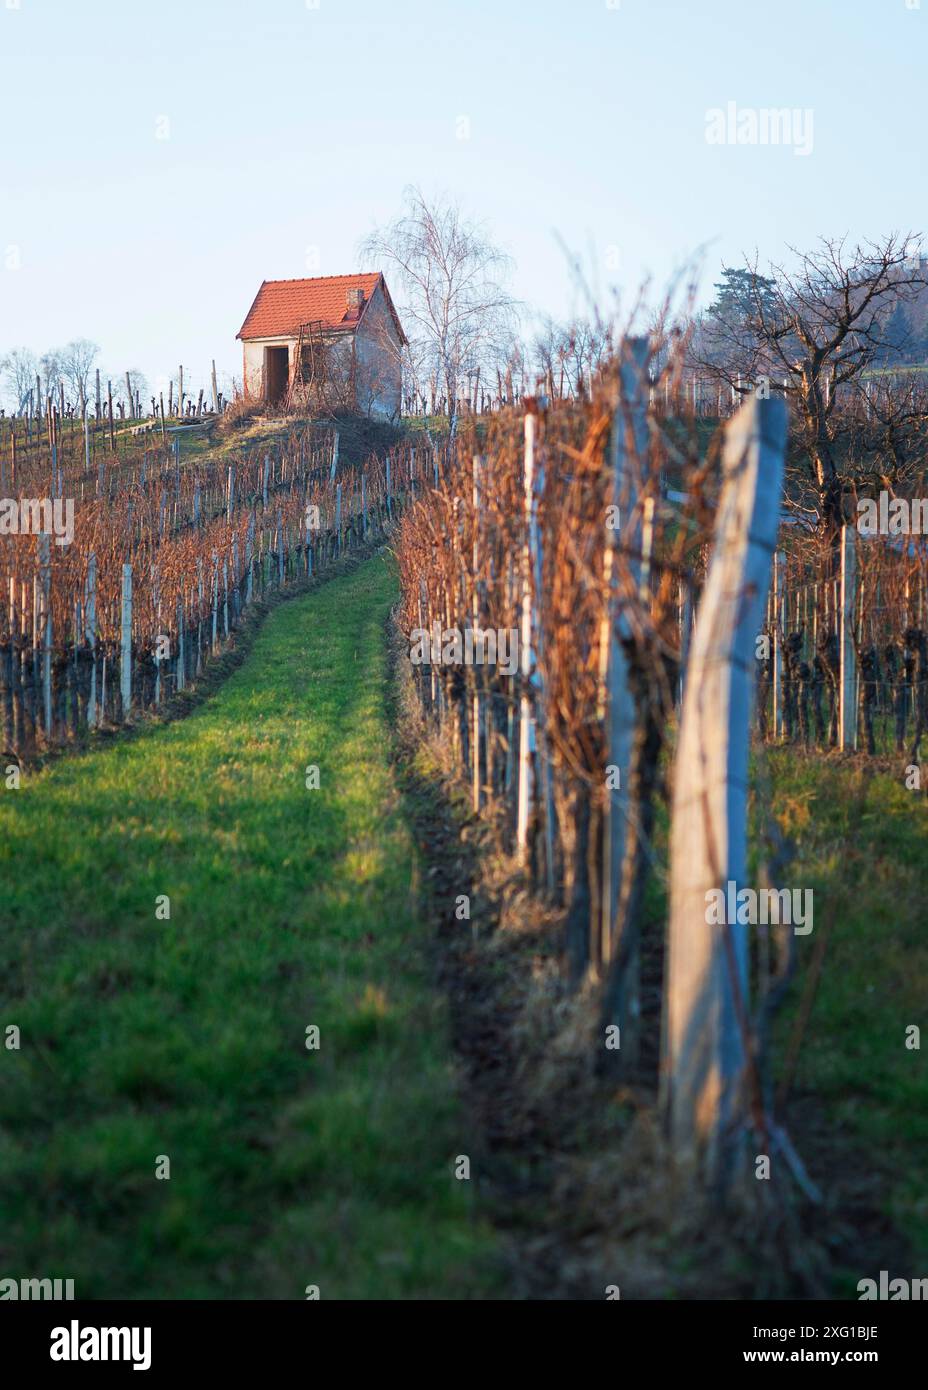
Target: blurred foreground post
column 705, row 1060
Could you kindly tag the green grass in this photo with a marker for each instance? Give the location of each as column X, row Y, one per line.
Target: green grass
column 863, row 849
column 861, row 842
column 186, row 1038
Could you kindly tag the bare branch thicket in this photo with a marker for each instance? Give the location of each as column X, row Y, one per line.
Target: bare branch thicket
column 445, row 532
column 814, row 331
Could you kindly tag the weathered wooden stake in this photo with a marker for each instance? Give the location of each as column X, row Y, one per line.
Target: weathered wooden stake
column 847, row 694
column 90, row 611
column 45, row 591
column 526, row 740
column 779, row 625
column 475, row 620
column 705, row 1059
column 628, row 447
column 125, row 682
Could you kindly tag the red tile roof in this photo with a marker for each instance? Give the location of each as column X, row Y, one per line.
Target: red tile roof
column 282, row 305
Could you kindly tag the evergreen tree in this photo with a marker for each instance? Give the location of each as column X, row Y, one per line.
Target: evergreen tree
column 740, row 293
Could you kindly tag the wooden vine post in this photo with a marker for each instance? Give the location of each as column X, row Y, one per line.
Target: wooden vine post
column 847, row 693
column 705, row 1058
column 125, row 684
column 526, row 731
column 90, row 624
column 475, row 622
column 45, row 629
column 628, row 459
column 779, row 632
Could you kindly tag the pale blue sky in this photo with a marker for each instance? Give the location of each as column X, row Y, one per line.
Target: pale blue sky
column 294, row 127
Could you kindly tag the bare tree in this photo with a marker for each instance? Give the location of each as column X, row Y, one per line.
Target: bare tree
column 567, row 355
column 812, row 332
column 417, row 370
column 549, row 353
column 451, row 287
column 886, row 422
column 19, row 369
column 588, row 345
column 51, row 369
column 77, row 360
column 138, row 384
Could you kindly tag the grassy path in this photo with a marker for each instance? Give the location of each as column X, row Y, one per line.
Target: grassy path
column 186, row 1037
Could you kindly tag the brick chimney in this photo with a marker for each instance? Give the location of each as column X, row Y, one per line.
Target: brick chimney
column 355, row 299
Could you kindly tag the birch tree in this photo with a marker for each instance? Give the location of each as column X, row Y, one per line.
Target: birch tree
column 451, row 286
